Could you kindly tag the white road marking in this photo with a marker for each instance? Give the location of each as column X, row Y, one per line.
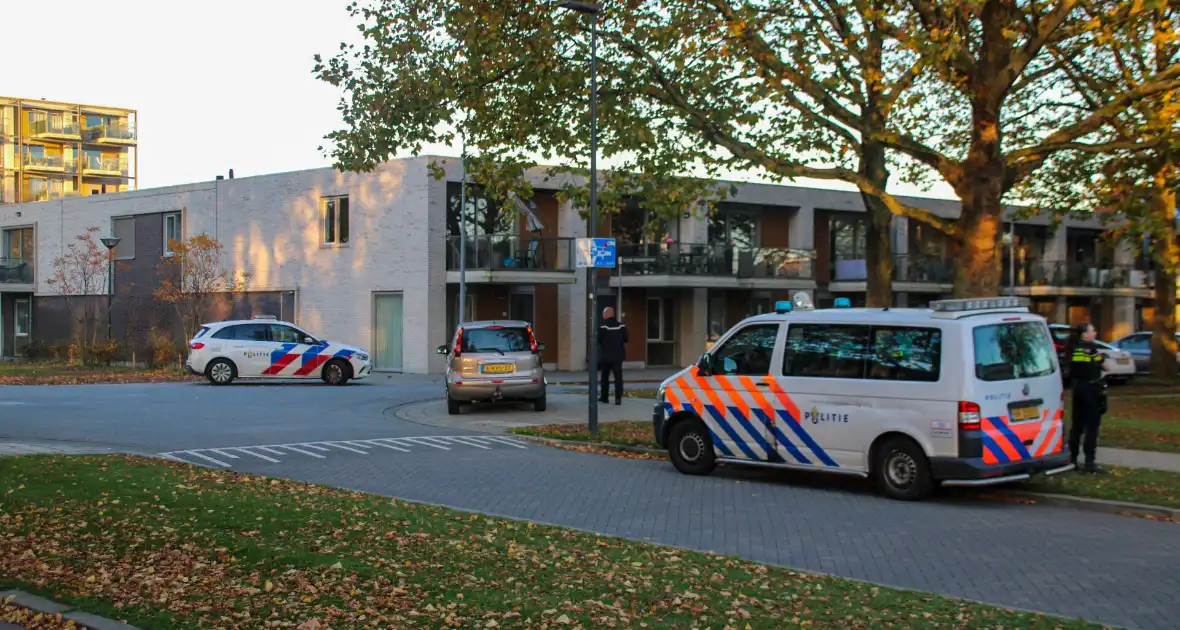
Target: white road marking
column 396, row 448
column 299, row 450
column 361, row 447
column 207, row 458
column 269, row 459
column 471, row 442
column 347, row 448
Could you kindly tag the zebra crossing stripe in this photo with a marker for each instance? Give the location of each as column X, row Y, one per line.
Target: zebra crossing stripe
column 471, row 442
column 207, row 458
column 389, row 446
column 299, row 450
column 269, row 459
column 347, row 448
column 222, row 453
column 424, row 441
column 508, row 441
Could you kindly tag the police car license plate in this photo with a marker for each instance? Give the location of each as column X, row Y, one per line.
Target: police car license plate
column 1020, row 414
column 497, row 368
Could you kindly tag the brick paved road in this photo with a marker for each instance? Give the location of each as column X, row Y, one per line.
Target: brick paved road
column 1114, row 569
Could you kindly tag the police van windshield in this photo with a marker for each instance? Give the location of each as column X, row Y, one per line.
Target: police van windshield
column 1004, row 352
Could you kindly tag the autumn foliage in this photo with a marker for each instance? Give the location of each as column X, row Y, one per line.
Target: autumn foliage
column 193, row 275
column 80, row 274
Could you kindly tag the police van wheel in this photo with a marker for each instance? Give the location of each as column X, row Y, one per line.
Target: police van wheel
column 691, row 448
column 336, row 372
column 902, row 470
column 221, row 372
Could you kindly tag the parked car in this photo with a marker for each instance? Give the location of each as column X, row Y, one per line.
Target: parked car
column 1119, row 366
column 264, row 347
column 494, row 361
column 1139, row 345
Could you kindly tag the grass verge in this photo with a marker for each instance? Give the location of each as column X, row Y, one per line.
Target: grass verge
column 36, row 373
column 1146, row 424
column 162, row 544
column 621, row 433
column 1136, row 485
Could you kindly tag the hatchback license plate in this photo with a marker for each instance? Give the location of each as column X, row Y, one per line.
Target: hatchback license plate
column 497, row 368
column 1020, row 414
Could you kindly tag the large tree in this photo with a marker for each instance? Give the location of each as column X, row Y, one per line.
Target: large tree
column 1134, row 186
column 784, row 89
column 1001, row 109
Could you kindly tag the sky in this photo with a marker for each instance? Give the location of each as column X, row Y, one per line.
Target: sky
column 217, row 84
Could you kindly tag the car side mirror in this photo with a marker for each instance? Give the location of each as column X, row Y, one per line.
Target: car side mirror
column 705, row 364
column 311, row 342
column 442, row 350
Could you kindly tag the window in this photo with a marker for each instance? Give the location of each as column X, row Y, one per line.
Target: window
column 747, row 352
column 23, row 318
column 483, row 215
column 225, row 333
column 848, row 239
column 171, row 231
column 734, row 226
column 334, row 216
column 716, row 317
column 244, row 332
column 495, row 340
column 660, row 320
column 826, row 351
column 1136, row 342
column 124, row 230
column 18, row 244
column 905, row 354
column 1005, row 352
column 285, row 334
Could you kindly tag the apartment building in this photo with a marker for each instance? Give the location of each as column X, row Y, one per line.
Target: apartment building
column 51, row 150
column 374, row 259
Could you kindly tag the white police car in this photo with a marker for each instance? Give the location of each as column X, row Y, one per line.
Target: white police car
column 264, row 347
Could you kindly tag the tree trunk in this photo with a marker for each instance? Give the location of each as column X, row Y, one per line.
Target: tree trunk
column 1163, row 339
column 977, row 270
column 878, row 244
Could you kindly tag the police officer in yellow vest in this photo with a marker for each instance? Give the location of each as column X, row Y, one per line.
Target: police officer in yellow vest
column 1086, row 363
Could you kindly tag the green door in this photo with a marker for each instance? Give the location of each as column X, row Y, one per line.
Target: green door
column 387, row 332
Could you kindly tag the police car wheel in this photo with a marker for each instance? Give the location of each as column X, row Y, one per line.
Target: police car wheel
column 902, row 470
column 336, row 372
column 691, row 449
column 221, row 372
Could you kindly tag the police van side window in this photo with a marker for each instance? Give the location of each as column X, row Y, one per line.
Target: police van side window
column 747, row 352
column 826, row 351
column 905, row 354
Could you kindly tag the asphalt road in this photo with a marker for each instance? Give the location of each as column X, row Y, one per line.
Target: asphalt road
column 1112, row 569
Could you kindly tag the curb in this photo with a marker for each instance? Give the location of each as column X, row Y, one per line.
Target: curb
column 67, row 612
column 586, row 383
column 1104, row 506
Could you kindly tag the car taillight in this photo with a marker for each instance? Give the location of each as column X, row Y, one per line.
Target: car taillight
column 532, row 341
column 196, row 345
column 458, row 343
column 969, row 417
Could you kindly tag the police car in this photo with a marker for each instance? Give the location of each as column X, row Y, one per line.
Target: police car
column 264, row 347
column 965, row 393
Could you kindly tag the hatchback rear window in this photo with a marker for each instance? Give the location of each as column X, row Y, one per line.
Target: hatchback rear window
column 201, row 332
column 495, row 340
column 1005, row 352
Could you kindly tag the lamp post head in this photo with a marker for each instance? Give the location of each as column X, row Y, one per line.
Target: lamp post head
column 589, row 8
column 110, row 241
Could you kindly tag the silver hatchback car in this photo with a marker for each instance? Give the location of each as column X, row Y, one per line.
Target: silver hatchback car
column 494, row 361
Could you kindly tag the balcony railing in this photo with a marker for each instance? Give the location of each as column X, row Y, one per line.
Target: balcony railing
column 16, row 271
column 1077, row 274
column 122, row 134
column 706, row 259
column 55, row 128
column 922, row 269
column 48, row 162
column 513, row 252
column 103, row 165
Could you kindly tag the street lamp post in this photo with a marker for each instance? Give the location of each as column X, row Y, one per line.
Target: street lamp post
column 110, row 242
column 593, row 10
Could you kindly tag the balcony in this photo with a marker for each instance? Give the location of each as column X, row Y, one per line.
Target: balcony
column 513, row 259
column 933, row 272
column 16, row 271
column 1046, row 276
column 706, row 265
column 48, row 163
column 122, row 135
column 103, row 166
column 55, row 130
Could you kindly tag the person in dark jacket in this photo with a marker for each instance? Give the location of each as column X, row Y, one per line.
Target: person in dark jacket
column 1086, row 363
column 612, row 349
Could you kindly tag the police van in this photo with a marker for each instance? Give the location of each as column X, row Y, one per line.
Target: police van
column 964, row 393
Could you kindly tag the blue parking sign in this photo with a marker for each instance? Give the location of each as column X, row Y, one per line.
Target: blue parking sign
column 596, row 253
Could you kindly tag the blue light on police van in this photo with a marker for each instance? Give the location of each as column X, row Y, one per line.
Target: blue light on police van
column 782, row 307
column 842, row 303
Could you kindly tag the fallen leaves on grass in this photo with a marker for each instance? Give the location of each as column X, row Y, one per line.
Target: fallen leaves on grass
column 622, row 432
column 1135, row 485
column 165, row 545
column 30, row 619
column 57, row 374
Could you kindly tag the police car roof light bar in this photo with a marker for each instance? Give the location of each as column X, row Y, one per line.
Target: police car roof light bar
column 977, row 304
column 264, row 317
column 842, row 303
